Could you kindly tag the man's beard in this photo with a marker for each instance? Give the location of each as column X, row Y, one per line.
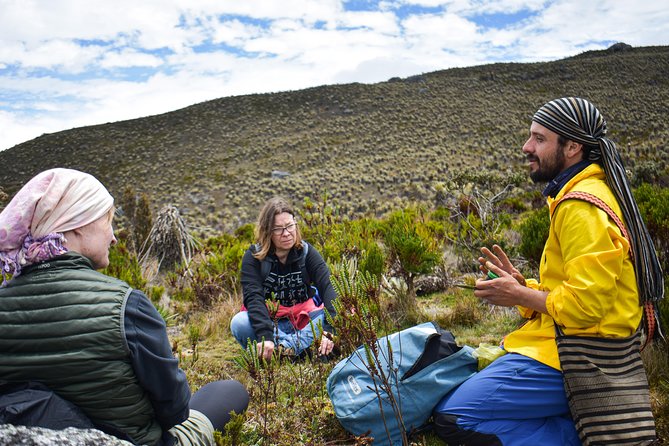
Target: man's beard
column 548, row 168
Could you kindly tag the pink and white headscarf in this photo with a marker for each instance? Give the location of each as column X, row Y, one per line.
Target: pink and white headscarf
column 51, row 203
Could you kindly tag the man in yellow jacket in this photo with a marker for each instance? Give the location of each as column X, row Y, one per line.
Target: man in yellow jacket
column 588, row 286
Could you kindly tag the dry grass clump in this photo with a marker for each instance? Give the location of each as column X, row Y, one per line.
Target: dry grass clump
column 169, row 240
column 466, row 311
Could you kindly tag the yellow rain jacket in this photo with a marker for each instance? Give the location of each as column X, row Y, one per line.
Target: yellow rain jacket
column 587, row 269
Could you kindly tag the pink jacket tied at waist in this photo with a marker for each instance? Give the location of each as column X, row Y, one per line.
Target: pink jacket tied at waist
column 298, row 314
column 51, row 203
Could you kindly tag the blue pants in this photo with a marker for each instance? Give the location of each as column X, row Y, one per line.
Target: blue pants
column 284, row 334
column 514, row 401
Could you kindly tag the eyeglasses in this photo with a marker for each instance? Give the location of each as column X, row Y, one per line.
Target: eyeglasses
column 279, row 229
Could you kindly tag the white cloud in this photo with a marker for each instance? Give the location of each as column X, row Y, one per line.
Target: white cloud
column 309, row 11
column 233, row 32
column 64, row 55
column 376, row 70
column 381, row 22
column 443, row 30
column 129, row 58
column 631, row 22
column 473, row 6
column 191, row 51
column 16, row 129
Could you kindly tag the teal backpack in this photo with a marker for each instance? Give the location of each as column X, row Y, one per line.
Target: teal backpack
column 426, row 365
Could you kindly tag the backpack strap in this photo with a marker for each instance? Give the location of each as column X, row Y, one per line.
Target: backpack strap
column 592, row 199
column 266, row 265
column 648, row 309
column 303, row 263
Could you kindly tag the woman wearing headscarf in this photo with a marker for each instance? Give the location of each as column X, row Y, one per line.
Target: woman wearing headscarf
column 90, row 338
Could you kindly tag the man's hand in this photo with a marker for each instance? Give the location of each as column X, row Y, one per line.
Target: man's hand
column 505, row 290
column 499, row 258
column 508, row 289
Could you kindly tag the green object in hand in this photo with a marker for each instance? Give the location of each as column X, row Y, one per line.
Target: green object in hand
column 492, row 275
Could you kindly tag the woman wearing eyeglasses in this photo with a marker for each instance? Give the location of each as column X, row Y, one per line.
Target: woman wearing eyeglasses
column 286, row 280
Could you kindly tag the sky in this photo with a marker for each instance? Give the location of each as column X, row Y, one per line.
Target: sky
column 72, row 63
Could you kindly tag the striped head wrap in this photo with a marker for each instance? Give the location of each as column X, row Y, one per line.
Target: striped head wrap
column 580, row 121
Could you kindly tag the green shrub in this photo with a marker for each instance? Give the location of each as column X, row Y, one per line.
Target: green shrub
column 441, row 214
column 344, row 239
column 245, row 233
column 137, row 212
column 183, row 294
column 469, row 233
column 219, row 243
column 534, row 233
column 155, row 293
column 653, row 204
column 124, row 265
column 514, row 205
column 647, row 172
column 215, row 274
column 372, row 260
column 411, row 247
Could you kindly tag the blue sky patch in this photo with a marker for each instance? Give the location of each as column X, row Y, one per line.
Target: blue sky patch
column 262, row 23
column 501, row 20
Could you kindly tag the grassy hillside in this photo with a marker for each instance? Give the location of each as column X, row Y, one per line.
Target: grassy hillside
column 372, row 147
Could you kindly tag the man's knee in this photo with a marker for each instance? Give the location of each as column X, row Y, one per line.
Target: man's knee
column 446, row 426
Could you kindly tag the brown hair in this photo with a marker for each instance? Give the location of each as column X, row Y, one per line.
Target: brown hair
column 263, row 232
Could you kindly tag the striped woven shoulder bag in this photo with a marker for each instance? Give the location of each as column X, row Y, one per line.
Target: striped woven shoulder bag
column 604, row 379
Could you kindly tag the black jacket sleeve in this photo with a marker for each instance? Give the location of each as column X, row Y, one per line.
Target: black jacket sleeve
column 156, row 368
column 254, row 297
column 319, row 274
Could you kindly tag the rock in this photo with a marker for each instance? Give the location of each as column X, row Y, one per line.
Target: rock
column 280, row 174
column 11, row 435
column 619, row 47
column 429, row 284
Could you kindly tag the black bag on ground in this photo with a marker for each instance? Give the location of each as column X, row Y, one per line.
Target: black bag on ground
column 33, row 404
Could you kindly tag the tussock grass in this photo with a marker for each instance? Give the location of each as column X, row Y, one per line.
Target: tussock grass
column 169, row 242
